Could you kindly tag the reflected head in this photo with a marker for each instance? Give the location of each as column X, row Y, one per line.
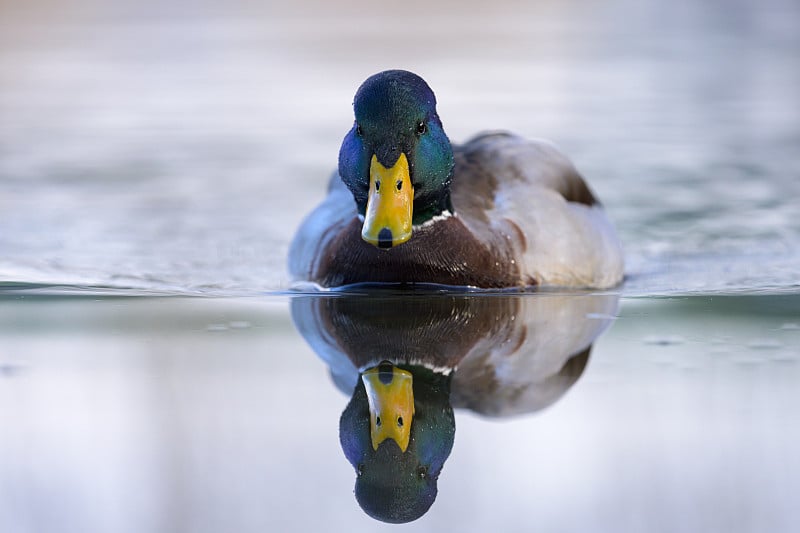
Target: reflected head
column 393, row 485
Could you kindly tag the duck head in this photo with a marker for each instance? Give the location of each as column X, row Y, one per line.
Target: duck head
column 396, row 159
column 397, row 431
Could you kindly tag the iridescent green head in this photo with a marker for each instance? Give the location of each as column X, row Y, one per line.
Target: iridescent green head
column 396, row 159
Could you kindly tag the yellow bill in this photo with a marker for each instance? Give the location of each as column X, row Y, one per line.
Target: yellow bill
column 390, row 204
column 391, row 404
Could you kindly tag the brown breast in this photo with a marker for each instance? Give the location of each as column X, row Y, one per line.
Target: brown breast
column 445, row 252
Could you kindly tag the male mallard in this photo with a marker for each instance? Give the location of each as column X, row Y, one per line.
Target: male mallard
column 498, row 211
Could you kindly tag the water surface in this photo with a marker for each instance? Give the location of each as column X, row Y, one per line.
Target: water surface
column 153, row 153
column 174, row 414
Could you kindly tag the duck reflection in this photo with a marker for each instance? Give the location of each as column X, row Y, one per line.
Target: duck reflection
column 408, row 359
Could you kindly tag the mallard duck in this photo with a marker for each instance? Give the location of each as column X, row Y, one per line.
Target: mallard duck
column 407, row 206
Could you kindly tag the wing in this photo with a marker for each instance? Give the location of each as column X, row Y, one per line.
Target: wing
column 529, row 192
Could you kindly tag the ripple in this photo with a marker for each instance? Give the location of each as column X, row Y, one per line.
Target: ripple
column 663, row 340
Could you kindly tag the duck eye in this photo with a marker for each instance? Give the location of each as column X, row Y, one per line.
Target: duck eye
column 359, row 131
column 360, row 469
column 378, row 421
column 399, row 185
column 422, row 472
column 377, row 185
column 400, row 421
column 421, row 128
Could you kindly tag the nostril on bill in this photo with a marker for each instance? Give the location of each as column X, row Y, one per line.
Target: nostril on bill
column 385, row 238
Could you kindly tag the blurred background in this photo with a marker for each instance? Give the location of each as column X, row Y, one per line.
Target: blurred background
column 155, row 147
column 176, row 146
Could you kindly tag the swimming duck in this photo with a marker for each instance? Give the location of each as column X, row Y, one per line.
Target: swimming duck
column 407, row 206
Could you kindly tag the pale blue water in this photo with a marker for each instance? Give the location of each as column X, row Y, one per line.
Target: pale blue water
column 152, row 150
